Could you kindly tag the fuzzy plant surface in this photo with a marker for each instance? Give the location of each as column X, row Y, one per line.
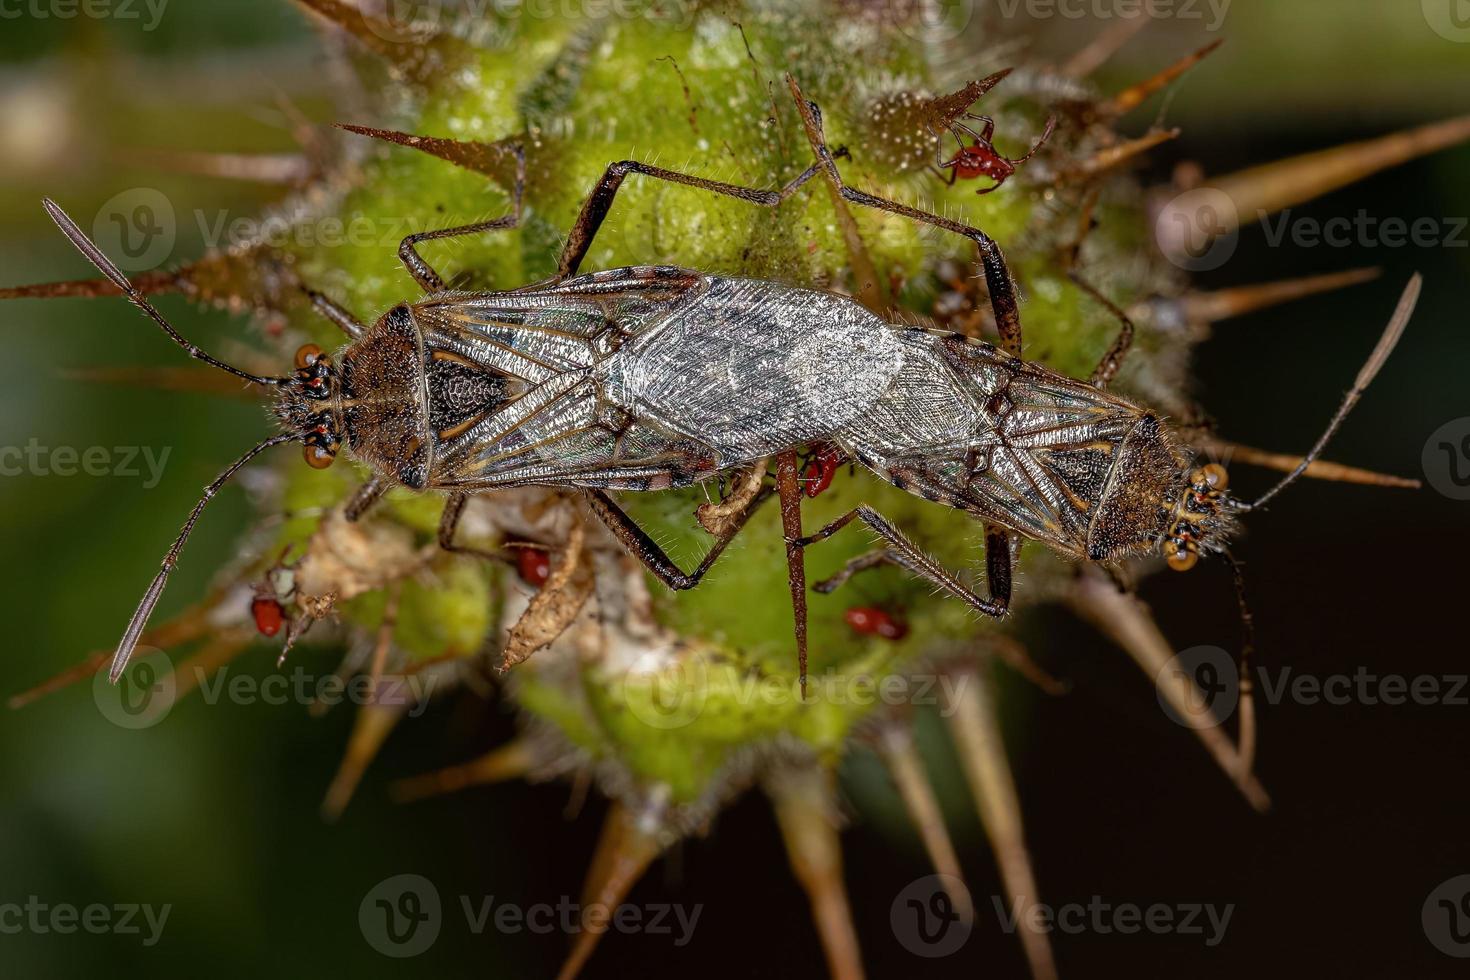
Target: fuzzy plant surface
column 672, row 703
column 698, row 90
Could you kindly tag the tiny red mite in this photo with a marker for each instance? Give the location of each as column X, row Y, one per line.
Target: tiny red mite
column 534, row 566
column 821, row 469
column 268, row 614
column 875, row 622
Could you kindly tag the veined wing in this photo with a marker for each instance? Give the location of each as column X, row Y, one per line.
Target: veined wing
column 540, row 331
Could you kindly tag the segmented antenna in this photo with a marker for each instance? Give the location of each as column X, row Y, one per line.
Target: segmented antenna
column 104, row 265
column 139, row 622
column 1366, row 374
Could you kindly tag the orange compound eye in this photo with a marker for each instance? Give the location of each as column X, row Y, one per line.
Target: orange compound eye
column 1183, row 560
column 307, row 355
column 317, row 457
column 1215, row 476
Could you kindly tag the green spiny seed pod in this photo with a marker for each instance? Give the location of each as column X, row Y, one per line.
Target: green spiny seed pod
column 675, row 702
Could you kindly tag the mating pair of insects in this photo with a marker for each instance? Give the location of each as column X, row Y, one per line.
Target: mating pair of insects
column 652, row 377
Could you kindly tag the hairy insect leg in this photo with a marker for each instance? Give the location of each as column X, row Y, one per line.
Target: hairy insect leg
column 595, row 208
column 642, row 546
column 904, row 553
column 423, row 273
column 1112, row 360
column 344, row 320
column 363, row 498
column 449, row 523
column 787, row 485
column 997, row 274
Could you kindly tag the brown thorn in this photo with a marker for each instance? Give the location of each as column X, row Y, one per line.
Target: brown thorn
column 1258, row 192
column 970, row 710
column 1119, row 153
column 942, row 112
column 214, row 654
column 805, row 803
column 899, row 753
column 152, row 283
column 1103, row 47
column 187, row 626
column 1133, row 96
column 788, row 483
column 1320, row 469
column 1222, row 304
column 370, row 730
column 1011, row 653
column 293, row 169
column 418, row 57
column 495, row 160
column 624, row 852
column 1127, row 622
column 510, row 761
column 198, row 380
column 864, row 272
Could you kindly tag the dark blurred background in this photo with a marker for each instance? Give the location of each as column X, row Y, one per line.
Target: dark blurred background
column 215, row 810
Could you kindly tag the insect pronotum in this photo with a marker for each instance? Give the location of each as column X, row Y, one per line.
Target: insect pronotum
column 651, row 377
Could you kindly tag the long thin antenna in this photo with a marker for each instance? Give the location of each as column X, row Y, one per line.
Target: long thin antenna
column 1246, row 690
column 150, row 598
column 1366, row 374
column 104, row 265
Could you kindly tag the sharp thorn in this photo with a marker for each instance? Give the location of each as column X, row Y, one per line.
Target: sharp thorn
column 419, row 56
column 1258, row 192
column 806, row 809
column 1119, row 153
column 1134, row 96
column 1320, row 469
column 496, row 160
column 1126, row 621
column 899, row 753
column 510, row 761
column 1223, row 304
column 624, row 852
column 1104, row 46
column 370, row 730
column 292, row 169
column 970, row 711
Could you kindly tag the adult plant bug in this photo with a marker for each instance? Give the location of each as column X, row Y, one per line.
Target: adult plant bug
column 646, row 378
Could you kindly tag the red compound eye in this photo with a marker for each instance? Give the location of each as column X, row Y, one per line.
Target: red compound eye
column 268, row 614
column 819, row 472
column 871, row 621
column 534, row 566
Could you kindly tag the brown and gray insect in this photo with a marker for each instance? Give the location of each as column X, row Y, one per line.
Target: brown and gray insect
column 648, row 378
